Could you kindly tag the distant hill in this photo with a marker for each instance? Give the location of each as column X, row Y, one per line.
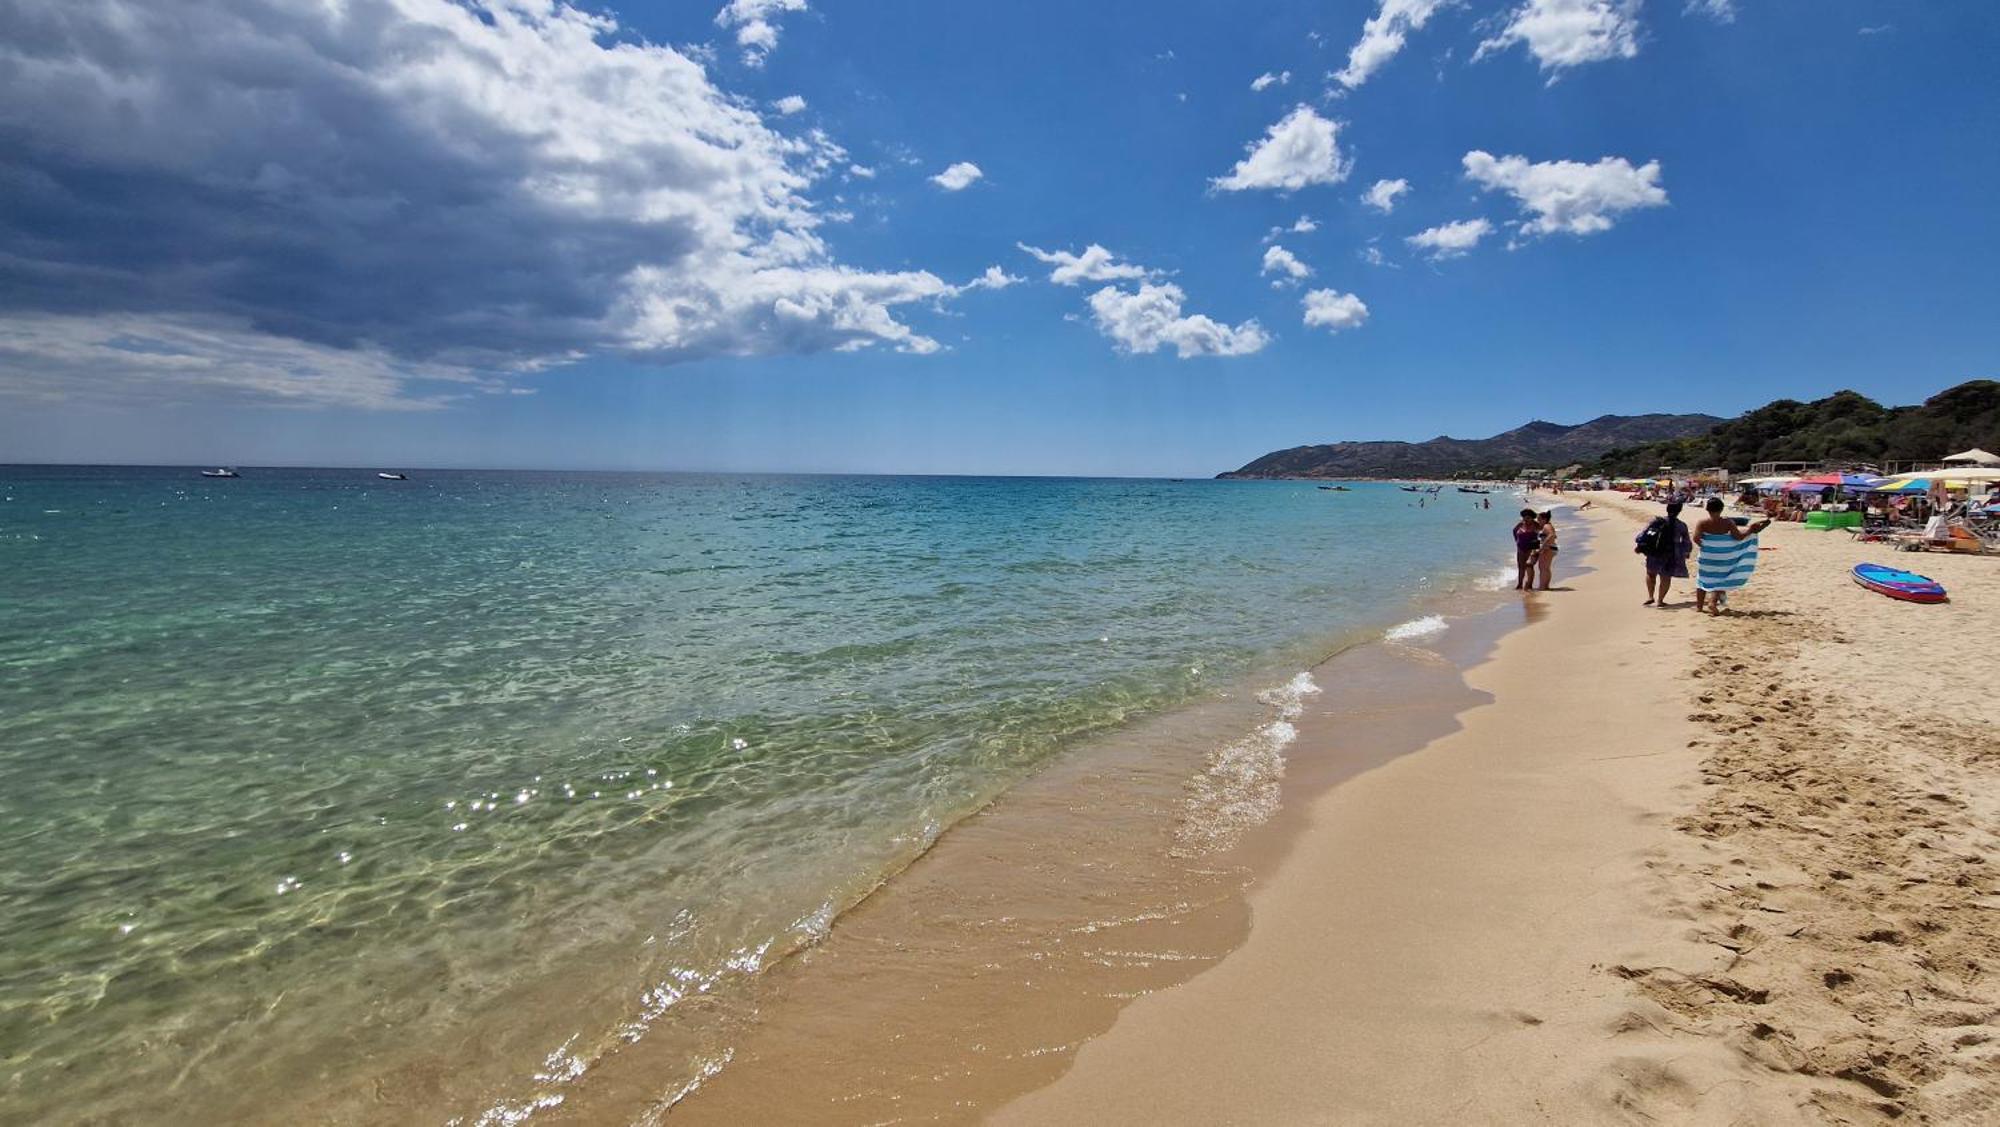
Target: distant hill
column 1535, row 444
column 1844, row 426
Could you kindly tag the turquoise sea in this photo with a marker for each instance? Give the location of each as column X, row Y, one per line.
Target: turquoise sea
column 311, row 781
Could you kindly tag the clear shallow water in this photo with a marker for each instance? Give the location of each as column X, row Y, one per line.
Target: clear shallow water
column 310, row 780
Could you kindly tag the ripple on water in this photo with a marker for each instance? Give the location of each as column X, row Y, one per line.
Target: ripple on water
column 303, row 776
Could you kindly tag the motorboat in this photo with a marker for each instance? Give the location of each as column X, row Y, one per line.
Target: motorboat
column 386, row 476
column 225, row 471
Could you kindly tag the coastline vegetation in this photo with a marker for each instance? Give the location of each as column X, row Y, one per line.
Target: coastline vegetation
column 1844, row 426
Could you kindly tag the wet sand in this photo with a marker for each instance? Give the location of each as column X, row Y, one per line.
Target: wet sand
column 1120, row 871
column 1678, row 869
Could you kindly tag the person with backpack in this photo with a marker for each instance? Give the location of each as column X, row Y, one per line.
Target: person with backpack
column 1666, row 545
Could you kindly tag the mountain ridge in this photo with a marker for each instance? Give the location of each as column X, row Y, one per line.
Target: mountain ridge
column 1536, row 442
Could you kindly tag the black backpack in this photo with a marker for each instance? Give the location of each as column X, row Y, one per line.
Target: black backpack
column 1653, row 540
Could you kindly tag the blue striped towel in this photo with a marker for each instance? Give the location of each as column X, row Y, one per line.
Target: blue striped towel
column 1726, row 562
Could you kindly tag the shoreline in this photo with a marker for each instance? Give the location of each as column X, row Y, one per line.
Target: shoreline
column 971, row 975
column 1641, row 884
column 483, row 1063
column 1442, row 919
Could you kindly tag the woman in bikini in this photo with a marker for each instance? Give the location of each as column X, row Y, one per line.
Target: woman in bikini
column 1545, row 560
column 1527, row 545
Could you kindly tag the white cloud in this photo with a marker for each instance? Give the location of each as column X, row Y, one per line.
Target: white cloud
column 861, row 172
column 1304, row 225
column 789, row 105
column 531, row 187
column 994, row 279
column 1301, row 150
column 1567, row 33
column 1285, row 264
column 1373, row 256
column 1450, row 240
column 140, row 359
column 1095, row 264
column 1721, row 11
column 958, row 177
column 1382, row 194
column 1567, row 195
column 1150, row 319
column 756, row 31
column 1333, row 310
column 1267, row 79
column 1878, row 29
column 1382, row 36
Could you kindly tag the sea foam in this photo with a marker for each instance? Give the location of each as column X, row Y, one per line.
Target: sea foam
column 1239, row 787
column 1416, row 628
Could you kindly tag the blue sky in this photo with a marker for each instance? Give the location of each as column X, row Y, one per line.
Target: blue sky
column 405, row 232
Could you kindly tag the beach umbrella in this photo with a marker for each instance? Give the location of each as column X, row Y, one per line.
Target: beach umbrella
column 1957, row 477
column 1974, row 456
column 1838, row 480
column 1898, row 485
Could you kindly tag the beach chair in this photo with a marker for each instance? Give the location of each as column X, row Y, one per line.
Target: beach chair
column 1953, row 536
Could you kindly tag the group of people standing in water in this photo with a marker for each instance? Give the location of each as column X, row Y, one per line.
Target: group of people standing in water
column 1534, row 549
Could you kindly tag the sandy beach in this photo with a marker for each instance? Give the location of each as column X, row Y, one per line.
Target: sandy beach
column 1679, row 869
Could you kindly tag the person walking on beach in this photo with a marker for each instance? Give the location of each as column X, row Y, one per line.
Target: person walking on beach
column 1665, row 543
column 1527, row 544
column 1545, row 559
column 1715, row 524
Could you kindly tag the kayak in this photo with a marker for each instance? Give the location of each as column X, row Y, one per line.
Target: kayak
column 1899, row 584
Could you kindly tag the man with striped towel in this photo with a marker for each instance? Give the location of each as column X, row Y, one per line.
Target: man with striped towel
column 1728, row 556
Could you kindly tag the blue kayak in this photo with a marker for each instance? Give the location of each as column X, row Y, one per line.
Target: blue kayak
column 1899, row 584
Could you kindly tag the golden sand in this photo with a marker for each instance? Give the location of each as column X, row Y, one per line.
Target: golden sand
column 1681, row 869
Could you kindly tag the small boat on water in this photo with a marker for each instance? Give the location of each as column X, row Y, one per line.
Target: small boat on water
column 386, row 476
column 1411, row 489
column 225, row 471
column 1336, row 489
column 1472, row 489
